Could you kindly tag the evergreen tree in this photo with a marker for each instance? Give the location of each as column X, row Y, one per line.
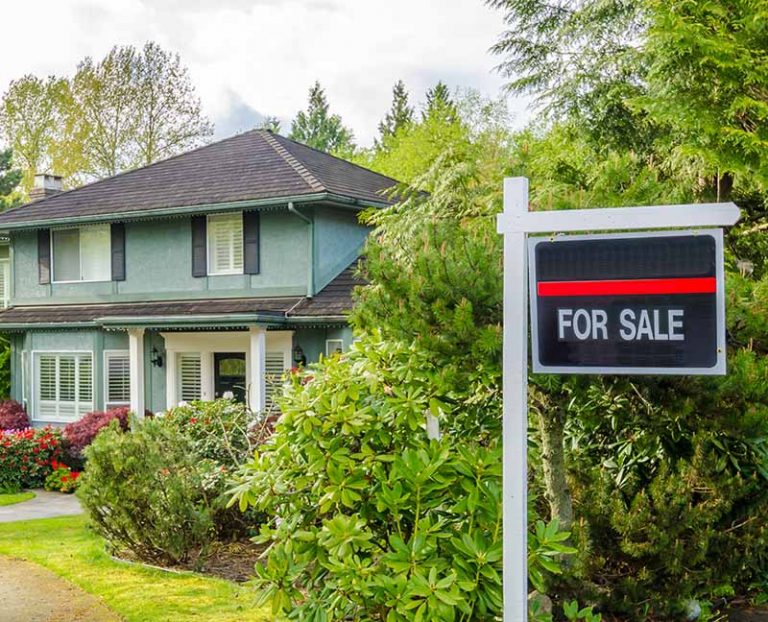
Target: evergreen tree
column 270, row 123
column 399, row 115
column 318, row 128
column 440, row 104
column 9, row 178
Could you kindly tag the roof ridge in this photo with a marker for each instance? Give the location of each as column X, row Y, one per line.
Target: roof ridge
column 307, row 175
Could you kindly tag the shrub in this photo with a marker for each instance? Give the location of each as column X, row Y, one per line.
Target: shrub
column 371, row 520
column 62, row 478
column 26, row 455
column 79, row 434
column 158, row 490
column 13, row 416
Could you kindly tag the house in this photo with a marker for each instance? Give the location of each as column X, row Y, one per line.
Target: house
column 206, row 273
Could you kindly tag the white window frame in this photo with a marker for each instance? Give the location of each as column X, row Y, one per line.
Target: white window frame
column 209, row 246
column 332, row 346
column 53, row 258
column 80, row 408
column 108, row 354
column 5, row 266
column 200, row 356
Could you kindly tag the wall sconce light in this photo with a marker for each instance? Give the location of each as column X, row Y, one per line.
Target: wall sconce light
column 157, row 359
column 298, row 356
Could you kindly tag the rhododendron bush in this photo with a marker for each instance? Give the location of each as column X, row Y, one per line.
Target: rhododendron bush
column 12, row 416
column 26, row 455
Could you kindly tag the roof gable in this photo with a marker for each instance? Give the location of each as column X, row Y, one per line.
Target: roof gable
column 254, row 166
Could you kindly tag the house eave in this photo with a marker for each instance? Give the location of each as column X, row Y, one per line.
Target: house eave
column 170, row 212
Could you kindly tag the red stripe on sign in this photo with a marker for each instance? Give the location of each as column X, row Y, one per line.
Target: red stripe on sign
column 629, row 287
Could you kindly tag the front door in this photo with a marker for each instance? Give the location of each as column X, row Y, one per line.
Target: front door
column 229, row 374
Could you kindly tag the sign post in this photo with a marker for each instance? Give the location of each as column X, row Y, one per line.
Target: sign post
column 636, row 331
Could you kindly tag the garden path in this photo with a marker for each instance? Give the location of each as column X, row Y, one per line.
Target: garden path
column 30, row 593
column 44, row 505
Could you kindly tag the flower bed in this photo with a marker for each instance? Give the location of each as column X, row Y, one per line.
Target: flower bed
column 25, row 457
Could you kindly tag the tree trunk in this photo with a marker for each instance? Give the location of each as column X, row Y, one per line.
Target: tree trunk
column 552, row 426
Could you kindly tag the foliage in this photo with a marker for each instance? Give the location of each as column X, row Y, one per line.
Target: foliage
column 318, row 128
column 32, row 125
column 79, row 434
column 708, row 79
column 13, row 416
column 9, row 179
column 68, row 547
column 158, row 491
column 370, row 519
column 399, row 115
column 221, row 430
column 25, row 457
column 131, row 108
column 62, row 478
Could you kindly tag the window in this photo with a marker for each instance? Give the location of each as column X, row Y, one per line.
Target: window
column 5, row 281
column 81, row 254
column 64, row 386
column 332, row 346
column 117, row 379
column 190, row 377
column 274, row 369
column 225, row 244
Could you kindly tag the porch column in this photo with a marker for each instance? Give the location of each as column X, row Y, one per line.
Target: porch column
column 257, row 385
column 136, row 365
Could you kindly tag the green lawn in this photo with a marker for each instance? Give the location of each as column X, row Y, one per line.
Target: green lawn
column 67, row 547
column 15, row 497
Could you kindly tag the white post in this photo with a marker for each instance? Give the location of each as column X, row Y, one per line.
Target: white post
column 257, row 354
column 515, row 409
column 136, row 366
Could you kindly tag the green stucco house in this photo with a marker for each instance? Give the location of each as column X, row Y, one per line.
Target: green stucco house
column 208, row 273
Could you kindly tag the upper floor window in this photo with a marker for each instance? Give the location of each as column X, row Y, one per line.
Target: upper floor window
column 225, row 244
column 81, row 254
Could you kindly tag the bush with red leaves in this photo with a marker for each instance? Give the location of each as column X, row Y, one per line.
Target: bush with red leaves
column 13, row 416
column 79, row 434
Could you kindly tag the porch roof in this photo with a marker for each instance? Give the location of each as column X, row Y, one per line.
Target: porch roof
column 329, row 306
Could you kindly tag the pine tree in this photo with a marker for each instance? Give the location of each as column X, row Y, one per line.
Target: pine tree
column 319, row 129
column 440, row 103
column 399, row 115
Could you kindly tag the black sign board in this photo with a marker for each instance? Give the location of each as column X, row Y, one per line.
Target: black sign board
column 649, row 303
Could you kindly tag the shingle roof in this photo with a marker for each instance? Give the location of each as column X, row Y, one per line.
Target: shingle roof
column 256, row 165
column 334, row 301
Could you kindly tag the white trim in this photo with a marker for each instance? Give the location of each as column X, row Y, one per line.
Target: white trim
column 34, row 354
column 5, row 266
column 107, row 354
column 136, row 362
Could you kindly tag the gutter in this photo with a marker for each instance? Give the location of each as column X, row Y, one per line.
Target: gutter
column 310, row 251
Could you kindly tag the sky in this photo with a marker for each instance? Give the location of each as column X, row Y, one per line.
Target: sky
column 251, row 58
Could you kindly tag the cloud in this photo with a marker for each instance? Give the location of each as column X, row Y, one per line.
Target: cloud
column 255, row 57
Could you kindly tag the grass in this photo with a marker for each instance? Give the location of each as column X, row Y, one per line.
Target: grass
column 66, row 546
column 15, row 497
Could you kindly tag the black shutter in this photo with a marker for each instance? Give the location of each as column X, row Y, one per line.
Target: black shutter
column 44, row 255
column 199, row 246
column 251, row 242
column 118, row 251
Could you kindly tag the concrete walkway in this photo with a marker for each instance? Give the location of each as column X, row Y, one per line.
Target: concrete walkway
column 31, row 593
column 44, row 505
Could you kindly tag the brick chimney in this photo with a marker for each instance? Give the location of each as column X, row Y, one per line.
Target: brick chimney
column 45, row 186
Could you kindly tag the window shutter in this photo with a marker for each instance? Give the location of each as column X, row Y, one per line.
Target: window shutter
column 251, row 242
column 44, row 255
column 190, row 380
column 274, row 369
column 118, row 251
column 199, row 250
column 118, row 380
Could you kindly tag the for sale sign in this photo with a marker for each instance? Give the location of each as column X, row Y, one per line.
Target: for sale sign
column 648, row 303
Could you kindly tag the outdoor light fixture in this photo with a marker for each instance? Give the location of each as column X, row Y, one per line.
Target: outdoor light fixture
column 298, row 356
column 157, row 359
